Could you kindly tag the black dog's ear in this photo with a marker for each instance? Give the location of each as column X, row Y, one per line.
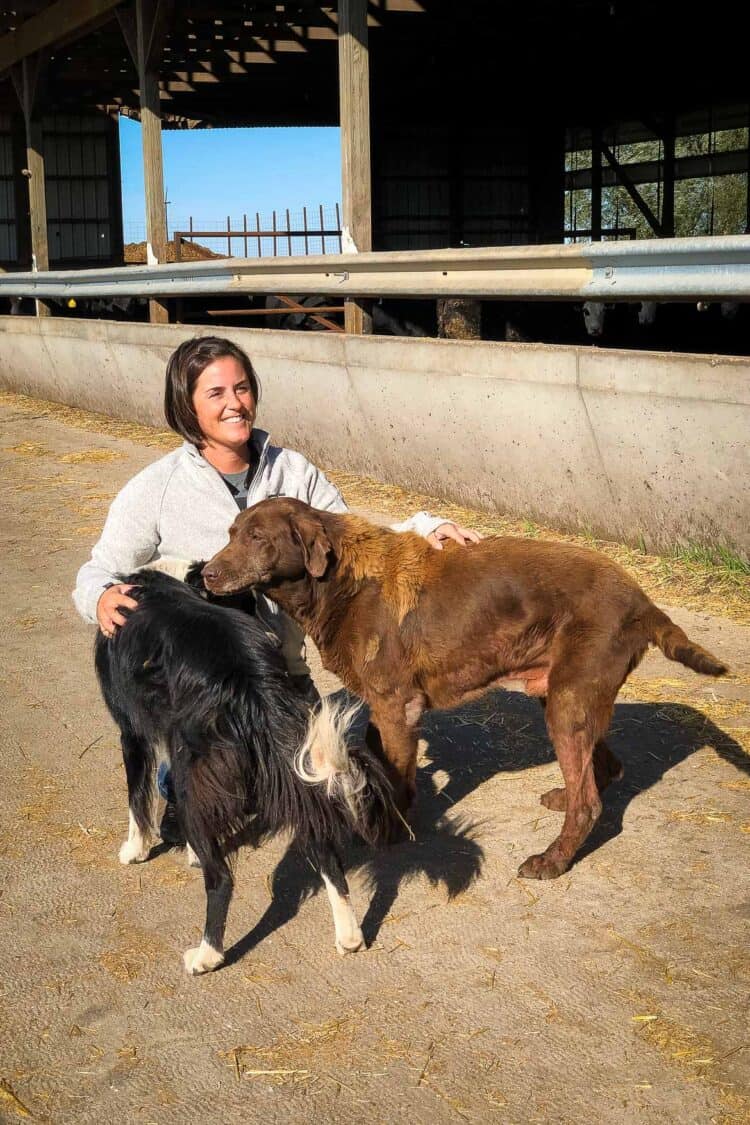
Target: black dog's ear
column 194, row 578
column 316, row 546
column 244, row 601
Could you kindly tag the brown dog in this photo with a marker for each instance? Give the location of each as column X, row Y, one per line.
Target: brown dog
column 409, row 628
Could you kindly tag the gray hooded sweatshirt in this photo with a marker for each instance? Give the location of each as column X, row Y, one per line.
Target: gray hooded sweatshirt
column 180, row 508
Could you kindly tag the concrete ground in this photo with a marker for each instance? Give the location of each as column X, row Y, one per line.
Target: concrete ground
column 617, row 993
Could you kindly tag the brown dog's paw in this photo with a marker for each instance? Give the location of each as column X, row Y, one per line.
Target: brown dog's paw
column 541, row 867
column 554, row 799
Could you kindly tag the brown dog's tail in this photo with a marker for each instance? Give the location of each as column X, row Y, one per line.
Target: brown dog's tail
column 676, row 645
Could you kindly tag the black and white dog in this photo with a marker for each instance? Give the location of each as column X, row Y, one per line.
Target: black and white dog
column 205, row 686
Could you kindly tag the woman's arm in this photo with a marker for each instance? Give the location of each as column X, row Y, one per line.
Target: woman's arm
column 129, row 539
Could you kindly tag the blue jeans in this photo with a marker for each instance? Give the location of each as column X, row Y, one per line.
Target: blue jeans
column 164, row 782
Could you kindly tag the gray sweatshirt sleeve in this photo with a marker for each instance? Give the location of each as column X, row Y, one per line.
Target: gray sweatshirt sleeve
column 321, row 493
column 129, row 539
column 421, row 522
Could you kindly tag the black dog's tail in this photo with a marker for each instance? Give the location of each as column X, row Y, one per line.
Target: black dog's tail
column 676, row 645
column 356, row 781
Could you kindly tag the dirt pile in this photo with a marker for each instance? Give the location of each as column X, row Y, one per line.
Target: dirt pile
column 135, row 253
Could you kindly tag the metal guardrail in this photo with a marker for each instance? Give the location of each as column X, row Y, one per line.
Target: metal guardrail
column 659, row 269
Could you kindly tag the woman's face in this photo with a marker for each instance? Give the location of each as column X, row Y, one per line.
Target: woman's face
column 224, row 403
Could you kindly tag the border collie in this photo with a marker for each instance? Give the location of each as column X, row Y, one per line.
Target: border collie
column 207, row 687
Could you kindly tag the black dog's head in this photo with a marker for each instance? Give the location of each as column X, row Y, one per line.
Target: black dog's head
column 244, row 600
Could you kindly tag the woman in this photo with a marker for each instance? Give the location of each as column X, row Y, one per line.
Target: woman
column 183, row 505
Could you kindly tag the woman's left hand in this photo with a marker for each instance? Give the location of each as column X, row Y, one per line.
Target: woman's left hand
column 462, row 535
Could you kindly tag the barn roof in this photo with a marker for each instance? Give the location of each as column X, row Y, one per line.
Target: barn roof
column 240, row 62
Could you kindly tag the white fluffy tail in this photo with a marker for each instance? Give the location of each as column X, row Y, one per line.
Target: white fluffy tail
column 323, row 758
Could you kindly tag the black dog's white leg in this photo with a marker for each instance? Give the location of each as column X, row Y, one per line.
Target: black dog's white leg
column 349, row 938
column 137, row 757
column 219, row 885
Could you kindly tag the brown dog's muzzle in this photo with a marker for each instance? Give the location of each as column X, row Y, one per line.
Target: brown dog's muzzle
column 223, row 576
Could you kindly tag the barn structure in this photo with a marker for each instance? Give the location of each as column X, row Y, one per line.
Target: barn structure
column 466, row 110
column 489, row 150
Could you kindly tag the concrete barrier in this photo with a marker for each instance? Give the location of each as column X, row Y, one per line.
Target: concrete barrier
column 628, row 445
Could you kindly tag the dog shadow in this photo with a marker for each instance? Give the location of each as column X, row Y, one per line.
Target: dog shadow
column 503, row 732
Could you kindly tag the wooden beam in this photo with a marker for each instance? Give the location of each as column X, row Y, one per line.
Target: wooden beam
column 667, row 194
column 20, row 191
column 647, row 171
column 129, row 28
column 356, row 178
column 147, row 18
column 28, row 76
column 630, row 188
column 64, row 20
column 596, row 183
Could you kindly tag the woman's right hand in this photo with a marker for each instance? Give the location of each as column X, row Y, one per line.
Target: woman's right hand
column 108, row 608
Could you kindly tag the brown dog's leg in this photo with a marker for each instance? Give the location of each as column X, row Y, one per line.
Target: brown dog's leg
column 607, row 768
column 576, row 723
column 390, row 735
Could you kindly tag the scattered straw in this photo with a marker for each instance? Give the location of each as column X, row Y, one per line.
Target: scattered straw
column 694, row 1053
column 135, row 950
column 90, row 457
column 299, row 1056
column 9, row 1098
column 88, row 420
column 704, row 818
column 260, row 972
column 697, row 712
column 27, row 449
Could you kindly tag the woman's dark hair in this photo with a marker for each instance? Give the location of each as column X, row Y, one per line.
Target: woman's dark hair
column 185, row 365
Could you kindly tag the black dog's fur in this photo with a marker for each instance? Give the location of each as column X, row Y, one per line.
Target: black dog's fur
column 207, row 686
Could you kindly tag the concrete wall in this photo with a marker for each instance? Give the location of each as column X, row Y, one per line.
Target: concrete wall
column 625, row 444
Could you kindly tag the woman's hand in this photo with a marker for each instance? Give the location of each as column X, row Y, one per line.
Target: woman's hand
column 111, row 603
column 462, row 535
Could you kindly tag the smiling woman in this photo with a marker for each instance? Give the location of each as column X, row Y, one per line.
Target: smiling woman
column 210, row 398
column 183, row 505
column 225, row 409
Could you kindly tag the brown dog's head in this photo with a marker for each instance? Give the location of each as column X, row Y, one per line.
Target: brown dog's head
column 279, row 540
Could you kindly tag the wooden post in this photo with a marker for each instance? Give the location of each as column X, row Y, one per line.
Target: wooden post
column 667, row 198
column 149, row 31
column 25, row 76
column 596, row 183
column 356, row 182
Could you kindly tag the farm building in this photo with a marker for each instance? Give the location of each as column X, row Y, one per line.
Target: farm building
column 487, row 124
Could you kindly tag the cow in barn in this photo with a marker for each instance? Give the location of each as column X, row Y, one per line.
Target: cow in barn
column 705, row 327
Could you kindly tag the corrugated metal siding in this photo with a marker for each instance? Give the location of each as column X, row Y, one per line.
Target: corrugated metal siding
column 79, row 212
column 8, row 239
column 430, row 192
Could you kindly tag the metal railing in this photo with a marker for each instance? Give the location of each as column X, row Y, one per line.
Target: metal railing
column 280, row 233
column 659, row 269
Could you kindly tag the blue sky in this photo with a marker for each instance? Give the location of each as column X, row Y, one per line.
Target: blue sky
column 212, row 173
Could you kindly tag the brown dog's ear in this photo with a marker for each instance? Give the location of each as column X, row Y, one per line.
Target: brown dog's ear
column 315, row 545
